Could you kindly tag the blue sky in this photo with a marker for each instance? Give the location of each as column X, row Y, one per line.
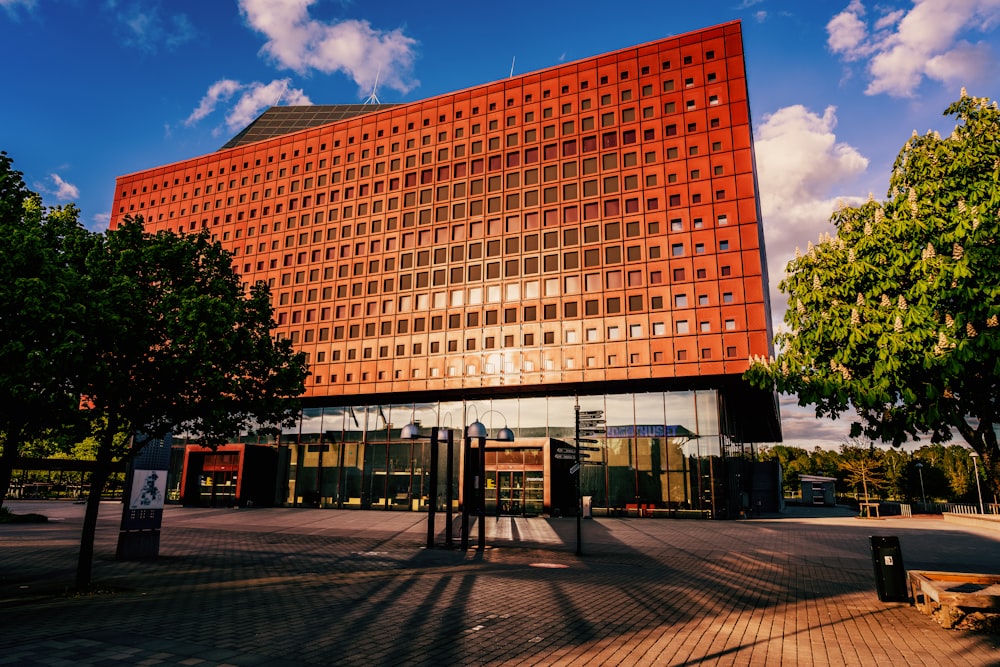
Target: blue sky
column 95, row 89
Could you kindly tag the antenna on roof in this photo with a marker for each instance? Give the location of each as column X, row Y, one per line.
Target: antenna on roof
column 512, row 67
column 373, row 98
column 284, row 88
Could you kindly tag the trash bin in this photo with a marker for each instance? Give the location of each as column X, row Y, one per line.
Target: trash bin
column 890, row 575
column 588, row 503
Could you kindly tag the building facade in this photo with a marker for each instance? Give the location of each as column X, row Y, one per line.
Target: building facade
column 588, row 233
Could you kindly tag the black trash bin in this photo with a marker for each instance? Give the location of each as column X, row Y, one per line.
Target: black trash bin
column 890, row 575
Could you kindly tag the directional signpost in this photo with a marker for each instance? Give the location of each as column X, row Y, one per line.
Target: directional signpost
column 589, row 423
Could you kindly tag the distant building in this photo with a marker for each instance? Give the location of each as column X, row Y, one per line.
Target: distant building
column 590, row 232
column 818, row 490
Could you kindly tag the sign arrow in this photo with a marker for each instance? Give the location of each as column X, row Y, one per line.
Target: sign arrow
column 573, row 470
column 590, row 449
column 565, row 457
column 591, row 413
column 566, row 450
column 587, row 440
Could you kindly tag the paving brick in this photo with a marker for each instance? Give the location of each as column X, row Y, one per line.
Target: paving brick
column 316, row 587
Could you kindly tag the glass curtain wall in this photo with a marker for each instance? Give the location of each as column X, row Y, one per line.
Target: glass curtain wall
column 661, row 452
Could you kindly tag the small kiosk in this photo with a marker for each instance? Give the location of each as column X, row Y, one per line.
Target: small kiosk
column 818, row 490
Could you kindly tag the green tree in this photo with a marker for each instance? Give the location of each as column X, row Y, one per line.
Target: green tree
column 794, row 461
column 176, row 342
column 40, row 315
column 896, row 317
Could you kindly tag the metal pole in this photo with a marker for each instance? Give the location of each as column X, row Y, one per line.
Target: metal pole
column 579, row 488
column 923, row 493
column 481, row 498
column 466, row 490
column 432, row 491
column 979, row 490
column 449, row 488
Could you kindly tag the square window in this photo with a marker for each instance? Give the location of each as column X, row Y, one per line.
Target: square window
column 730, row 325
column 705, row 327
column 682, row 326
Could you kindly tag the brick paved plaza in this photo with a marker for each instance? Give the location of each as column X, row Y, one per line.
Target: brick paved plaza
column 326, row 587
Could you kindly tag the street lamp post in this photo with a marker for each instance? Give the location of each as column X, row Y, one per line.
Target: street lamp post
column 438, row 434
column 923, row 494
column 477, row 431
column 979, row 490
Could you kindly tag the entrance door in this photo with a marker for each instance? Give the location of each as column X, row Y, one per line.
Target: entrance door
column 510, row 492
column 218, row 488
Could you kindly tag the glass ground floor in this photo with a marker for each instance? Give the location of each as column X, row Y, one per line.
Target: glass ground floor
column 671, row 452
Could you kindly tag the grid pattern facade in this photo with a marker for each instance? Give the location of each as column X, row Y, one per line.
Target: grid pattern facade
column 596, row 221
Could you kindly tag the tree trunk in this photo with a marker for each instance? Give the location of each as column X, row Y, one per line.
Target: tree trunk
column 11, row 445
column 98, row 480
column 6, row 469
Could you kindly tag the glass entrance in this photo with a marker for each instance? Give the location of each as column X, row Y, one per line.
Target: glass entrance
column 217, row 488
column 510, row 492
column 515, row 492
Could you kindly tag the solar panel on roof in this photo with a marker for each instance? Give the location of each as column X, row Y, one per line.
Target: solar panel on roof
column 277, row 121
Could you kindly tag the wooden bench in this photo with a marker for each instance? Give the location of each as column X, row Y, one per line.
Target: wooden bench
column 954, row 590
column 866, row 509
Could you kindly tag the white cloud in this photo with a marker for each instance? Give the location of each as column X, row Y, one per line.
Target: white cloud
column 300, row 43
column 800, row 427
column 760, row 16
column 15, row 3
column 100, row 222
column 63, row 191
column 145, row 25
column 847, row 32
column 257, row 96
column 251, row 99
column 13, row 6
column 800, row 165
column 220, row 91
column 905, row 47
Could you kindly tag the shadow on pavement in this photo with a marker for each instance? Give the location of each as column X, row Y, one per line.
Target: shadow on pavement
column 349, row 587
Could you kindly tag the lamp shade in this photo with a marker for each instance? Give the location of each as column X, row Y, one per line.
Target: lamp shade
column 476, row 430
column 505, row 435
column 443, row 434
column 410, row 432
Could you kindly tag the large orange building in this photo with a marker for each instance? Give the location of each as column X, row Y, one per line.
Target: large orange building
column 590, row 232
